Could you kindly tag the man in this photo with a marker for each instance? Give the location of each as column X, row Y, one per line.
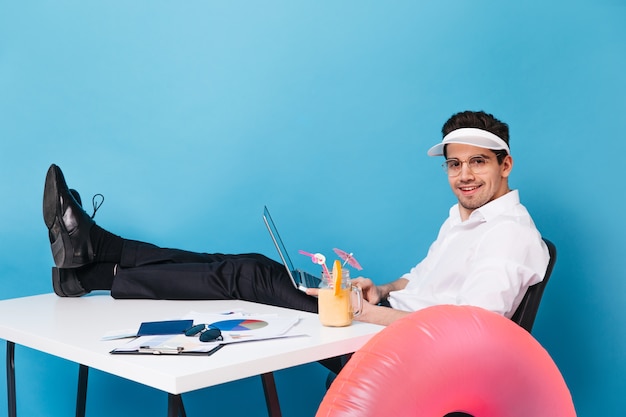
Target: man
column 487, row 254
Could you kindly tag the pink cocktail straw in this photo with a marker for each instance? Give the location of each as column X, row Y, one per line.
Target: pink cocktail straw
column 319, row 259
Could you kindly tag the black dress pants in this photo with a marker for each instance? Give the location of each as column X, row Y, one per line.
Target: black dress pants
column 150, row 272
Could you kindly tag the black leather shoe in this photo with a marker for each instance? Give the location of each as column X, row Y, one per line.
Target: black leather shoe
column 66, row 284
column 68, row 224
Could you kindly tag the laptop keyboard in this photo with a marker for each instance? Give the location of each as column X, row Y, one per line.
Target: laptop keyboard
column 310, row 281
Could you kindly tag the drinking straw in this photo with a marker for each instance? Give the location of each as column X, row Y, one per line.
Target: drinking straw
column 319, row 259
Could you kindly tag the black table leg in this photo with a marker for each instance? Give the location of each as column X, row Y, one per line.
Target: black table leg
column 271, row 396
column 11, row 379
column 175, row 407
column 81, row 396
column 81, row 393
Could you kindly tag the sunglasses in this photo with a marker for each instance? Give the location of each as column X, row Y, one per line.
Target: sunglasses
column 207, row 333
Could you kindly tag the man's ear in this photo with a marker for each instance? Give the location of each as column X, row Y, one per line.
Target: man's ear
column 506, row 166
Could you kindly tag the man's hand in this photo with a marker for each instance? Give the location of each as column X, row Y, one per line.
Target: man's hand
column 371, row 293
column 376, row 314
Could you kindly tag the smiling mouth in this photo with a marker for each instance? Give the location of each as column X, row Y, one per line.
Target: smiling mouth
column 469, row 188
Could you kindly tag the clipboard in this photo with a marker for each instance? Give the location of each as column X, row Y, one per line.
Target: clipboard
column 178, row 344
column 145, row 350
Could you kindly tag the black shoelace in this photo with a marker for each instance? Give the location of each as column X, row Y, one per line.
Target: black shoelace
column 97, row 203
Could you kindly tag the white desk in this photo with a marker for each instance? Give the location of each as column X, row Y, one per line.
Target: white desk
column 71, row 328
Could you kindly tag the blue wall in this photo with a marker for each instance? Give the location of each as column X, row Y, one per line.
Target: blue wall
column 190, row 116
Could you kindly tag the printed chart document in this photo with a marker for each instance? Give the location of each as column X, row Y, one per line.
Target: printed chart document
column 235, row 326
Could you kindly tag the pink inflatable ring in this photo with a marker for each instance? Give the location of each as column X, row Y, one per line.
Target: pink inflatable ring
column 450, row 359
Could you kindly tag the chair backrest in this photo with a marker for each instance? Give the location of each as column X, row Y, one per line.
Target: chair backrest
column 527, row 310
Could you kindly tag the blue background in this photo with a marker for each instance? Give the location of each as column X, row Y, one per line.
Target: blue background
column 190, row 116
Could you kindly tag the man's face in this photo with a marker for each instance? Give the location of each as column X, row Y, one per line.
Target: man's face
column 475, row 190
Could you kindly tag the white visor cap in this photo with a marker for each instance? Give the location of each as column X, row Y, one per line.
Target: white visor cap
column 470, row 136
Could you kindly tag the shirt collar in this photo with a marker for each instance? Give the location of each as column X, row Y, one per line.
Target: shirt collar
column 488, row 211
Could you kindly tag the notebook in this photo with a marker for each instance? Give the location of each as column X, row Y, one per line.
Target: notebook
column 301, row 279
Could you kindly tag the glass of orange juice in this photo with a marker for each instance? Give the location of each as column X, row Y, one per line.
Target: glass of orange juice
column 336, row 308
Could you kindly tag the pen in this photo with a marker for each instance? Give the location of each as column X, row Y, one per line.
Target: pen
column 161, row 350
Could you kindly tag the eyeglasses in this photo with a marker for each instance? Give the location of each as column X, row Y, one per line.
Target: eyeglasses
column 207, row 333
column 477, row 165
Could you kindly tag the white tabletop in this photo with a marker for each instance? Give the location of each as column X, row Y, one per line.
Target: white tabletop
column 72, row 328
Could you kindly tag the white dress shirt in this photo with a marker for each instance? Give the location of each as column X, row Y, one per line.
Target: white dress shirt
column 487, row 261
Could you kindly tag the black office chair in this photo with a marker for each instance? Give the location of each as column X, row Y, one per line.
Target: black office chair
column 527, row 310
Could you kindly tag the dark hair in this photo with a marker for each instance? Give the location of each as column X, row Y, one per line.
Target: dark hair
column 478, row 120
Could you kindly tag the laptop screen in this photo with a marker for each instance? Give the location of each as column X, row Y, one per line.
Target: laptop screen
column 282, row 252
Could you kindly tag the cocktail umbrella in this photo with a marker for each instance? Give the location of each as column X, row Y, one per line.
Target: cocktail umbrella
column 348, row 259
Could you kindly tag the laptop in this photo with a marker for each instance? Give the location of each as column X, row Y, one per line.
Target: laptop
column 301, row 279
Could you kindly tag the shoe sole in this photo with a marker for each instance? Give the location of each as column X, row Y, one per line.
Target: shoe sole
column 52, row 218
column 50, row 197
column 56, row 282
column 74, row 288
